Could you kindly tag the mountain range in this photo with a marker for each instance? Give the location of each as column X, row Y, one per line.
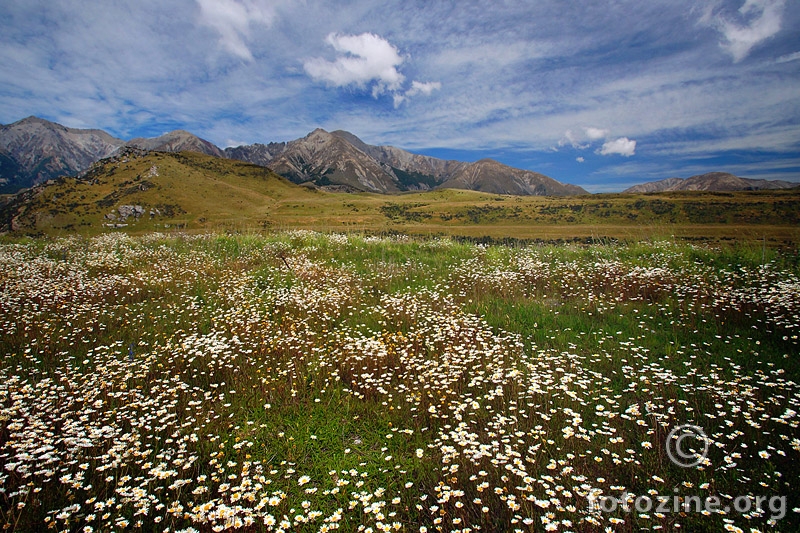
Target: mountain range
column 34, row 150
column 711, row 181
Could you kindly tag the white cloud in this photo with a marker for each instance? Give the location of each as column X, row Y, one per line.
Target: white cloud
column 583, row 138
column 788, row 57
column 580, row 159
column 417, row 87
column 595, row 133
column 426, row 88
column 762, row 20
column 573, row 140
column 232, row 20
column 466, row 54
column 622, row 146
column 365, row 58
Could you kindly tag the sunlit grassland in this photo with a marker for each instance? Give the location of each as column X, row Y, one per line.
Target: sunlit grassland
column 302, row 381
column 199, row 193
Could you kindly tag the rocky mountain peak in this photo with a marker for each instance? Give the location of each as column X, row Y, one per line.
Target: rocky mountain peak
column 352, row 139
column 177, row 141
column 318, row 135
column 37, row 121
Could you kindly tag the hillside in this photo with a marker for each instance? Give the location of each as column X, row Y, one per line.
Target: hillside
column 140, row 190
column 488, row 175
column 711, row 181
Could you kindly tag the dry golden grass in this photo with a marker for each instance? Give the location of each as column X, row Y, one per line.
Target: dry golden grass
column 197, row 192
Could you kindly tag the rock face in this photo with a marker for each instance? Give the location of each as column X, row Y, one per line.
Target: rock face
column 126, row 211
column 9, row 170
column 712, row 181
column 34, row 150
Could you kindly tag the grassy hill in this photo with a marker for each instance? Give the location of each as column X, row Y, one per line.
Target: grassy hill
column 193, row 191
column 185, row 190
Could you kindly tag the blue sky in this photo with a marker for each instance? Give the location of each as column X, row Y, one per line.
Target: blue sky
column 600, row 94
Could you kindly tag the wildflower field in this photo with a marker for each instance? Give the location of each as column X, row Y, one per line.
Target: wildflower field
column 302, row 381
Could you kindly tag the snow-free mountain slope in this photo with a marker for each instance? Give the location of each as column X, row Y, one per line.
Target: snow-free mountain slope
column 712, row 181
column 177, row 141
column 36, row 150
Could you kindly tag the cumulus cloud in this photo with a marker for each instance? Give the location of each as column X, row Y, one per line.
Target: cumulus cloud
column 622, row 146
column 580, row 159
column 366, row 60
column 232, row 20
column 760, row 20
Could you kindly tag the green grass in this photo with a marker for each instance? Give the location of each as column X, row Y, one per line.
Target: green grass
column 196, row 380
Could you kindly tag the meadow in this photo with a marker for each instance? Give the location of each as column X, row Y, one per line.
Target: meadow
column 305, row 381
